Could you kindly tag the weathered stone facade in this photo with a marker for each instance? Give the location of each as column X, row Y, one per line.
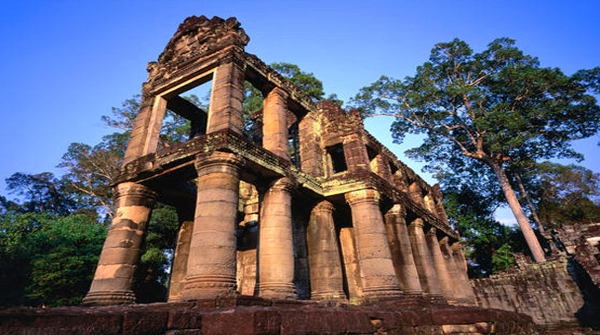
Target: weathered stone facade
column 562, row 293
column 311, row 206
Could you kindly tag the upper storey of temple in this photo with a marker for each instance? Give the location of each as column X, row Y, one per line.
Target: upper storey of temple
column 323, row 148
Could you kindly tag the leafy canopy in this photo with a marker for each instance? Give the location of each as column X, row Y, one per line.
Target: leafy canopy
column 496, row 106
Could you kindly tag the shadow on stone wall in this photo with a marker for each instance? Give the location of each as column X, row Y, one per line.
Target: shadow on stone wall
column 589, row 314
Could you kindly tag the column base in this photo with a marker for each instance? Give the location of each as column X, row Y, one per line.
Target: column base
column 435, row 298
column 382, row 292
column 205, row 287
column 108, row 298
column 277, row 291
column 463, row 302
column 333, row 295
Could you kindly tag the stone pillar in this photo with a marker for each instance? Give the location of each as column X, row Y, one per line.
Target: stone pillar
column 439, row 263
column 355, row 152
column 112, row 284
column 146, row 128
column 374, row 256
column 276, row 246
column 180, row 260
column 427, row 275
column 463, row 290
column 227, row 96
column 430, row 205
column 461, row 270
column 326, row 278
column 404, row 263
column 211, row 268
column 353, row 278
column 311, row 153
column 275, row 130
column 416, row 194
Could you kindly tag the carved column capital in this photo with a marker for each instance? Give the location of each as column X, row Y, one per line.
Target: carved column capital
column 283, row 184
column 417, row 223
column 444, row 242
column 279, row 91
column 366, row 195
column 397, row 209
column 219, row 162
column 134, row 195
column 456, row 247
column 324, row 207
column 432, row 231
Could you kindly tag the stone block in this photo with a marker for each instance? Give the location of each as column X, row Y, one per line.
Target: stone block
column 184, row 319
column 248, row 321
column 145, row 321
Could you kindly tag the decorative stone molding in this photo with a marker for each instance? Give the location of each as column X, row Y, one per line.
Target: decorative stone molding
column 283, row 184
column 366, row 195
column 219, row 162
column 324, row 206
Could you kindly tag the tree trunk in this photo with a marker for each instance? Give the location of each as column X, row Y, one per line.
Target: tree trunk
column 524, row 195
column 515, row 206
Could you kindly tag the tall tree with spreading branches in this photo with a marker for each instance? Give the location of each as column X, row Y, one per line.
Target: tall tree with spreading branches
column 494, row 107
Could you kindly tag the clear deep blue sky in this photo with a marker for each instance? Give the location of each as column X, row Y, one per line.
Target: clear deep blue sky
column 66, row 63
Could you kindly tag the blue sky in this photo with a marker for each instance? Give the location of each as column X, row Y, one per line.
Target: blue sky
column 66, row 63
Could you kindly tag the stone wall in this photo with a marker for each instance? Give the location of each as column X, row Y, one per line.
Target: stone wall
column 246, row 315
column 544, row 291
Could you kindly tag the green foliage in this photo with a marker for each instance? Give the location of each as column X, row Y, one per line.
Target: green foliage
column 90, row 170
column 307, row 82
column 40, row 193
column 497, row 105
column 566, row 193
column 152, row 272
column 503, row 258
column 486, row 240
column 47, row 260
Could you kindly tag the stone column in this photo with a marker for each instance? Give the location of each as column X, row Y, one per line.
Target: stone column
column 311, row 153
column 226, row 101
column 353, row 278
column 404, row 263
column 374, row 256
column 461, row 269
column 416, row 194
column 112, row 284
column 146, row 127
column 439, row 263
column 276, row 246
column 211, row 268
column 355, row 152
column 463, row 291
column 427, row 275
column 180, row 260
column 326, row 278
column 275, row 130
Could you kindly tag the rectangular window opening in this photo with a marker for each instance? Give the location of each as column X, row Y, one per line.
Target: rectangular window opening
column 294, row 142
column 187, row 115
column 252, row 113
column 338, row 160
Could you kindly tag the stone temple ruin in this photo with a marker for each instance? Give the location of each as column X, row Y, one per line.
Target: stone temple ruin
column 297, row 222
column 311, row 206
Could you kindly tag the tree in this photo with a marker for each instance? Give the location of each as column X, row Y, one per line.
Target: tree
column 90, row 171
column 46, row 259
column 566, row 193
column 470, row 204
column 40, row 193
column 492, row 107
